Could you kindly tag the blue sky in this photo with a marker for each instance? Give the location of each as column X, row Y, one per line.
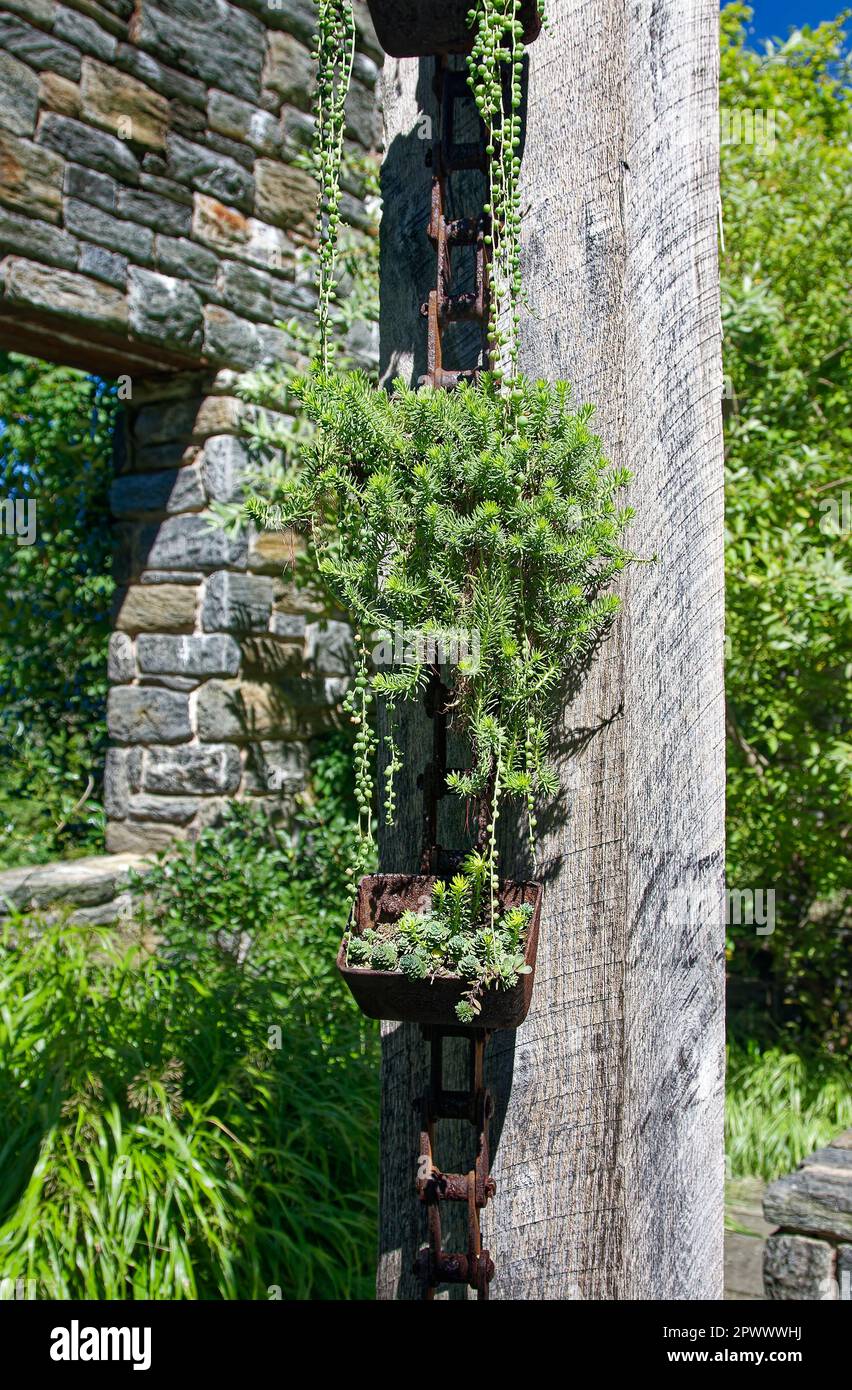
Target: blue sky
column 775, row 18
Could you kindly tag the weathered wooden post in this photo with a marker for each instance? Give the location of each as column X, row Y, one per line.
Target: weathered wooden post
column 608, row 1132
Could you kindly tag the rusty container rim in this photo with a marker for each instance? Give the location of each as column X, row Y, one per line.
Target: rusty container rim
column 389, row 995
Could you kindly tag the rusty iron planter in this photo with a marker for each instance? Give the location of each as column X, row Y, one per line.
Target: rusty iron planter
column 423, row 28
column 389, row 994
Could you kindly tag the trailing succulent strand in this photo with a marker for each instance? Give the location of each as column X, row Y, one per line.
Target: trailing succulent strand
column 495, row 68
column 334, row 54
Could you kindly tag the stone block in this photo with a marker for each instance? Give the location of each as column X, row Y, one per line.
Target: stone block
column 230, row 339
column 147, row 714
column 30, row 178
column 164, row 310
column 84, row 145
column 226, row 230
column 29, row 237
column 363, row 119
column 275, row 766
column 38, row 49
column 122, row 773
column 121, row 661
column 104, row 265
column 118, row 909
column 189, row 121
column 218, row 42
column 155, row 608
column 61, row 292
column 253, row 293
column 189, row 543
column 208, row 655
column 163, row 427
column 206, row 770
column 243, row 711
column 224, row 466
column 171, row 577
column 19, row 95
column 799, row 1268
column 296, row 16
column 173, row 490
column 93, row 224
column 87, row 882
column 153, row 210
column 289, row 627
column 210, row 172
column 285, row 196
column 297, row 133
column 123, row 105
column 56, row 93
column 275, row 346
column 167, row 188
column 239, row 120
column 289, row 70
column 159, row 810
column 179, row 256
column 232, row 149
column 91, row 187
column 328, row 648
column 182, row 683
column 83, row 32
column 136, row 837
column 35, row 11
column 164, row 79
column 270, row 658
column 817, row 1198
column 236, row 603
column 274, row 552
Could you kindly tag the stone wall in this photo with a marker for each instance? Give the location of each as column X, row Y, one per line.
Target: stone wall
column 152, row 214
column 810, row 1256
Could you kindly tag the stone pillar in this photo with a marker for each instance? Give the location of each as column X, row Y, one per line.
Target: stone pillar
column 810, row 1256
column 220, row 667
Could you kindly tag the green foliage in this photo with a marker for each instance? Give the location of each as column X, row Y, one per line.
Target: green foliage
column 780, row 1107
column 467, row 512
column 459, row 937
column 200, row 1122
column 787, row 248
column 495, row 66
column 55, row 450
column 334, row 50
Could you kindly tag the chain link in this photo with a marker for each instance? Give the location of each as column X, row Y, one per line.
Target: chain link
column 435, row 1265
column 447, row 157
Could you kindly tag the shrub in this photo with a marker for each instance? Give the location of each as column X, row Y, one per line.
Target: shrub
column 199, row 1121
column 780, row 1107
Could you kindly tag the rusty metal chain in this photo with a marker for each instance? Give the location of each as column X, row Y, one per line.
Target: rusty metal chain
column 434, row 1265
column 448, row 156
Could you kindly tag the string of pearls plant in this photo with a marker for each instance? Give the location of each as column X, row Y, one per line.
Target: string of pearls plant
column 495, row 66
column 334, row 54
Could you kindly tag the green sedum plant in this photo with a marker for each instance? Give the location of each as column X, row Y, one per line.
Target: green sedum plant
column 455, row 939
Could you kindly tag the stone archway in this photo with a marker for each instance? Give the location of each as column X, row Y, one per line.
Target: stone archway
column 152, row 209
